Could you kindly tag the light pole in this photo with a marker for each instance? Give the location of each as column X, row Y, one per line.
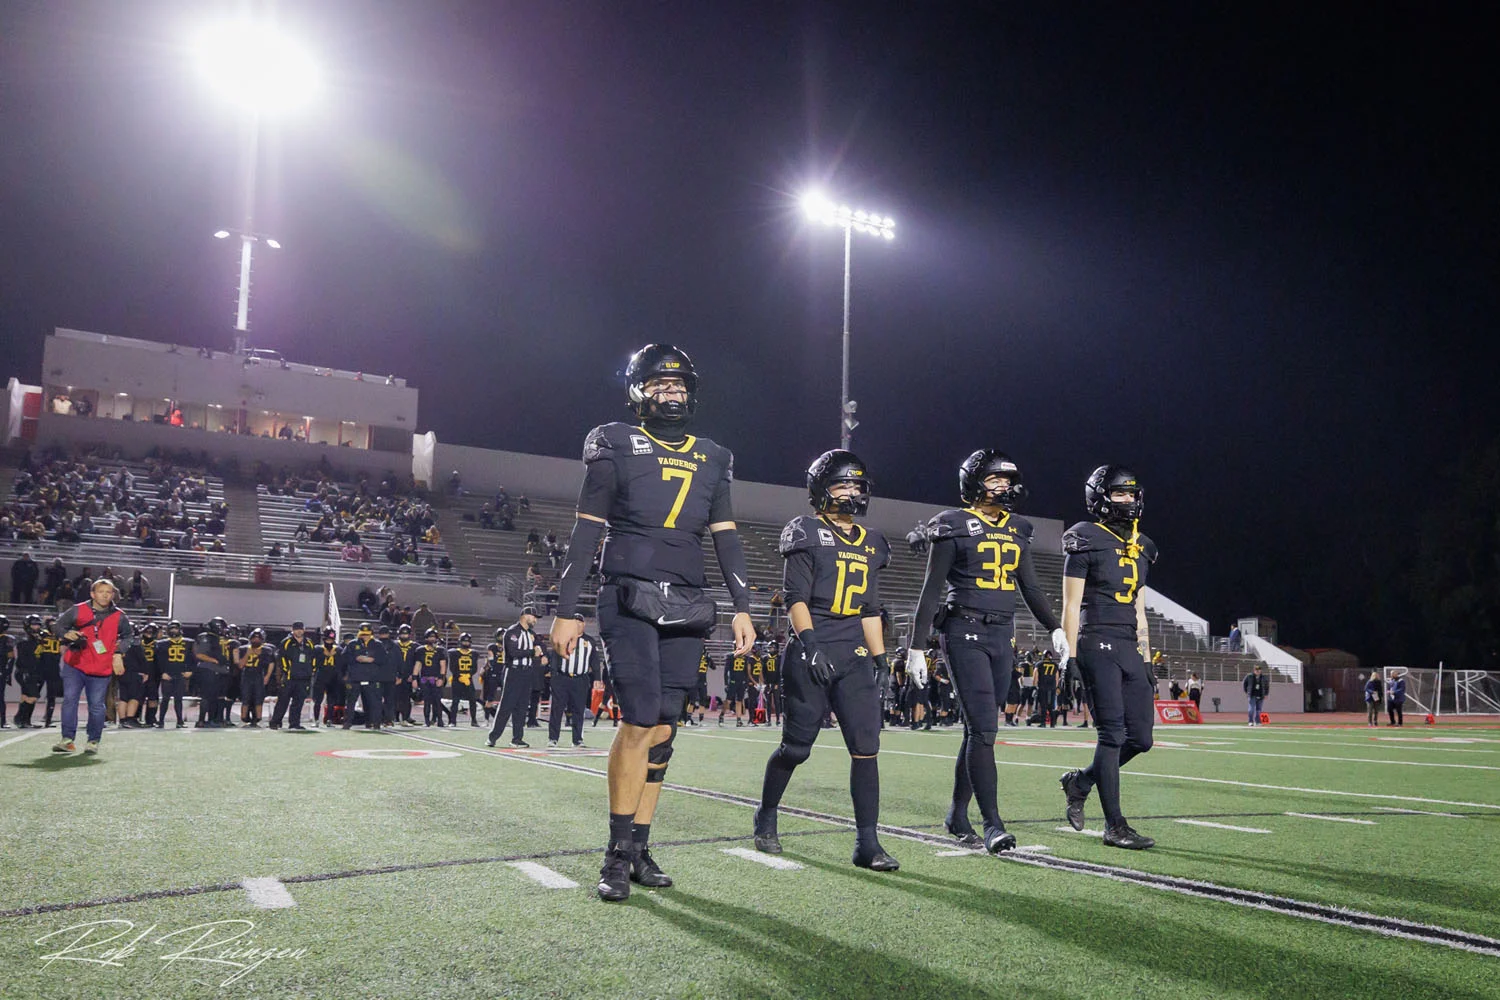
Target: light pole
column 259, row 72
column 820, row 209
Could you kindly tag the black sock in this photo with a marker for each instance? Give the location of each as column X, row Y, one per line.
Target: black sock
column 778, row 772
column 980, row 759
column 50, row 703
column 621, row 828
column 23, row 714
column 640, row 833
column 864, row 789
column 1105, row 773
column 962, row 790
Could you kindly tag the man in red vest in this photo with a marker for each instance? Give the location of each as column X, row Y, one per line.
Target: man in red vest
column 95, row 637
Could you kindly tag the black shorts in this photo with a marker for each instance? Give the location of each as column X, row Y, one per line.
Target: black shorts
column 252, row 686
column 734, row 692
column 31, row 684
column 462, row 689
column 491, row 684
column 52, row 675
column 653, row 669
column 852, row 696
column 132, row 686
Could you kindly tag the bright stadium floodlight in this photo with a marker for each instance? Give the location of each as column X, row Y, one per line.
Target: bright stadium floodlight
column 819, row 208
column 257, row 67
column 261, row 72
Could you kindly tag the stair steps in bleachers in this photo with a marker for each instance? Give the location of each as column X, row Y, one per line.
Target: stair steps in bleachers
column 242, row 528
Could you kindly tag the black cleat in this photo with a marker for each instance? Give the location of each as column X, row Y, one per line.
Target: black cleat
column 960, row 829
column 645, row 871
column 766, row 839
column 489, row 743
column 876, row 860
column 1124, row 836
column 614, row 876
column 520, row 744
column 996, row 839
column 1075, row 798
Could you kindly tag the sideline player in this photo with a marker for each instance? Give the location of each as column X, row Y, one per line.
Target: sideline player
column 1105, row 618
column 651, row 490
column 837, row 659
column 978, row 561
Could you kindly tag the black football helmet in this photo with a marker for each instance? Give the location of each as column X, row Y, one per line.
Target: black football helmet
column 500, row 633
column 430, row 635
column 330, row 634
column 464, row 637
column 217, row 625
column 1106, row 480
column 257, row 633
column 4, row 624
column 174, row 628
column 32, row 623
column 656, row 360
column 838, row 466
column 980, row 466
column 403, row 630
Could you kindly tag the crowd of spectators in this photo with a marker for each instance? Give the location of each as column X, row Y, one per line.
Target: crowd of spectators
column 499, row 514
column 31, row 584
column 69, row 499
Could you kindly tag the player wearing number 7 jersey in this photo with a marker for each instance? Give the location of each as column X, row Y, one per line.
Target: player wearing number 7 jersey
column 1104, row 572
column 650, row 490
column 838, row 658
column 978, row 561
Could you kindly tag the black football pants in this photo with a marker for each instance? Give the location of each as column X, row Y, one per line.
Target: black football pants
column 1121, row 686
column 570, row 695
column 980, row 659
column 515, row 698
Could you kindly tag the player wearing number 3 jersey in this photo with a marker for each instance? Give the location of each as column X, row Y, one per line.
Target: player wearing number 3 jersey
column 978, row 562
column 651, row 490
column 1104, row 615
column 837, row 659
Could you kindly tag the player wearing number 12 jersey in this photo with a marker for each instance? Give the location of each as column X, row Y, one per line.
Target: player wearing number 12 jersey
column 837, row 659
column 978, row 561
column 1104, row 572
column 651, row 490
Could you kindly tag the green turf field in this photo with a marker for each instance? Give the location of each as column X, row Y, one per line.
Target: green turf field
column 404, row 879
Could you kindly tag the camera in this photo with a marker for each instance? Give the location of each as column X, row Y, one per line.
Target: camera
column 77, row 645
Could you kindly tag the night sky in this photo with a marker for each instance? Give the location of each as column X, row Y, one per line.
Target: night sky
column 1252, row 253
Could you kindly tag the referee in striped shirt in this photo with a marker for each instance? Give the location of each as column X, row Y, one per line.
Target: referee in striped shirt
column 572, row 683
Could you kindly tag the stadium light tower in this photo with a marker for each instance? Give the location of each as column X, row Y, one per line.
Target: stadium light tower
column 259, row 72
column 820, row 209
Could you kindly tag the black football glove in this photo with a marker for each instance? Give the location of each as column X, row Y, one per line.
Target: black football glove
column 882, row 674
column 818, row 667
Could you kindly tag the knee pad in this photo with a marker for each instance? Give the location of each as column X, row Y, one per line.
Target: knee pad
column 794, row 753
column 659, row 754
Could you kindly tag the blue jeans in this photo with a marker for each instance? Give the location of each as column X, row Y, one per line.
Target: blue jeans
column 1255, row 704
column 75, row 683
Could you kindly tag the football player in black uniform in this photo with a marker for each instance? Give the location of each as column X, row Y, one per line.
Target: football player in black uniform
column 494, row 673
column 1104, row 570
column 7, row 665
column 49, row 650
column 463, row 665
column 736, row 666
column 838, row 657
column 29, row 672
column 174, row 657
column 327, row 681
column 256, row 660
column 427, row 664
column 978, row 561
column 651, row 490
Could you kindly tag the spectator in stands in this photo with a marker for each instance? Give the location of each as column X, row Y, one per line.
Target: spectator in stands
column 533, row 543
column 916, row 539
column 138, row 590
column 53, row 579
column 445, row 564
column 24, row 573
column 1372, row 700
column 533, row 577
column 301, row 534
column 368, row 602
column 1257, row 687
column 423, row 620
column 1236, row 639
column 455, row 484
column 274, row 551
column 487, row 517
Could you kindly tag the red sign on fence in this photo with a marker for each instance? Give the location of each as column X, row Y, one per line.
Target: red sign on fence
column 1177, row 712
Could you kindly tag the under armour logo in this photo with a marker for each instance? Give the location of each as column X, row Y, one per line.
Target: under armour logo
column 700, row 456
column 870, row 549
column 1105, row 645
column 970, row 637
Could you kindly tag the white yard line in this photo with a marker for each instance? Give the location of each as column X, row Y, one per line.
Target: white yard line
column 268, row 893
column 1418, row 812
column 1086, row 833
column 543, row 875
column 1223, row 826
column 961, row 853
column 25, row 736
column 1332, row 819
column 769, row 860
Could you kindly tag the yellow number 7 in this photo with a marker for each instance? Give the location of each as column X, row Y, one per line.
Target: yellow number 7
column 686, row 475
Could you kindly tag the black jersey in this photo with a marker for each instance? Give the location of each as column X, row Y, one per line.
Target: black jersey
column 174, row 656
column 735, row 668
column 497, row 655
column 404, row 650
column 463, row 664
column 326, row 660
column 770, row 668
column 49, row 651
column 981, row 566
column 1113, row 569
column 28, row 656
column 256, row 657
column 428, row 661
column 704, row 664
column 834, row 574
column 1046, row 671
column 657, row 499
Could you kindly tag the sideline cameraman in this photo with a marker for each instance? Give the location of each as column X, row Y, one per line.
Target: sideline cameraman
column 96, row 635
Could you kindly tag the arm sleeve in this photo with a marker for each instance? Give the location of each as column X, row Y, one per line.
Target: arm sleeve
column 65, row 622
column 721, row 509
column 581, row 548
column 124, row 634
column 598, row 491
column 797, row 578
column 939, row 561
column 1036, row 598
column 730, row 552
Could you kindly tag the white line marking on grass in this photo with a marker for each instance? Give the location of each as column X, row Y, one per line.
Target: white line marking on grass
column 548, row 878
column 1223, row 826
column 1418, row 812
column 1034, row 849
column 1332, row 819
column 1086, row 833
column 962, row 852
column 769, row 860
column 1358, row 920
column 24, row 736
column 1058, row 769
column 268, row 893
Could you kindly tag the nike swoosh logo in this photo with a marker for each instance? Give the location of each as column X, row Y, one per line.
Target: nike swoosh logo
column 737, row 579
column 664, row 620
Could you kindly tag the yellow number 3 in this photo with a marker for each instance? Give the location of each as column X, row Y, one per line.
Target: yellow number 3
column 1132, row 577
column 686, row 475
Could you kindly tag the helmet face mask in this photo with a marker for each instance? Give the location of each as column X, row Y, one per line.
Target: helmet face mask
column 661, row 361
column 1108, row 479
column 980, row 466
column 827, row 471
